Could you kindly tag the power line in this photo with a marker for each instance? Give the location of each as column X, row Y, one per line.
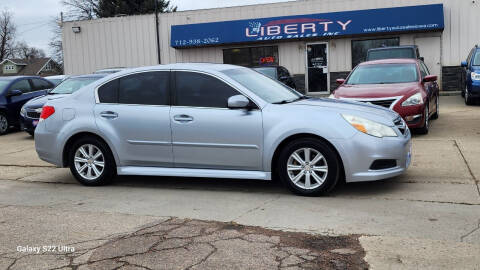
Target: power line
column 33, row 28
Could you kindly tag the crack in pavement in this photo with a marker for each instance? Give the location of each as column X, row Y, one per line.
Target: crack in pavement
column 471, row 232
column 468, row 167
column 194, row 244
column 257, row 207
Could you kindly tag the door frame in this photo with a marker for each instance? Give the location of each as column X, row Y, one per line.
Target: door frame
column 328, row 68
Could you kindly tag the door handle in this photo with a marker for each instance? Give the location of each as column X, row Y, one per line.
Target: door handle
column 183, row 118
column 109, row 114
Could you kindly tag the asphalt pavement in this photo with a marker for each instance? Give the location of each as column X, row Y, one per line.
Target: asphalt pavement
column 428, row 218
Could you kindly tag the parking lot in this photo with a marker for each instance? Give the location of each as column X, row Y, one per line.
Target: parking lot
column 428, row 218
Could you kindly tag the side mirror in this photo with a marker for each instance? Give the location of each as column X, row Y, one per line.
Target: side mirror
column 14, row 92
column 421, row 58
column 464, row 64
column 340, row 81
column 430, row 78
column 238, row 102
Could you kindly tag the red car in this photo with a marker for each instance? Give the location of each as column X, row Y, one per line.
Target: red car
column 403, row 85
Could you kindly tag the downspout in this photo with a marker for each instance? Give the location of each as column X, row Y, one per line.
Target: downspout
column 156, row 31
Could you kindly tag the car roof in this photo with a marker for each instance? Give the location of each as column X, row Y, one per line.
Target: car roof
column 56, row 77
column 187, row 66
column 391, row 61
column 95, row 75
column 394, row 47
column 11, row 78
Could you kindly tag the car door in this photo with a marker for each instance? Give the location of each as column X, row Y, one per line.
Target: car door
column 40, row 87
column 468, row 69
column 207, row 134
column 133, row 111
column 430, row 87
column 16, row 102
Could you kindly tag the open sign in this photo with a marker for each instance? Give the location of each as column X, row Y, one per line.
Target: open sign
column 268, row 59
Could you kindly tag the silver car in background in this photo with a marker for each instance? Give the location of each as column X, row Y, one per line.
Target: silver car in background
column 224, row 121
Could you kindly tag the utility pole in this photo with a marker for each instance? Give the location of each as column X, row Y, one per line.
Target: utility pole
column 156, row 31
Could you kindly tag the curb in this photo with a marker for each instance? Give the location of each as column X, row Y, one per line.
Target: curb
column 450, row 93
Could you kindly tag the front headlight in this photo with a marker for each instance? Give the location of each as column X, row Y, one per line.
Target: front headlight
column 23, row 112
column 413, row 100
column 370, row 127
column 475, row 76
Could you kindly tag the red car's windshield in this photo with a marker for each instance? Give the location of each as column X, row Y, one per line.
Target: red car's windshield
column 384, row 74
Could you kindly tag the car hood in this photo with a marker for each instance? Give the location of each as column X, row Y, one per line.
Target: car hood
column 40, row 101
column 372, row 112
column 375, row 90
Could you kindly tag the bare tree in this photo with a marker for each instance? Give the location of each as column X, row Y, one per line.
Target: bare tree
column 55, row 43
column 7, row 34
column 23, row 51
column 81, row 9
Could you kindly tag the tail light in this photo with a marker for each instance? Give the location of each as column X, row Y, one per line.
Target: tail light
column 47, row 111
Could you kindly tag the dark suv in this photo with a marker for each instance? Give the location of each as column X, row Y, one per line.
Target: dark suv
column 14, row 92
column 471, row 90
column 278, row 73
column 406, row 51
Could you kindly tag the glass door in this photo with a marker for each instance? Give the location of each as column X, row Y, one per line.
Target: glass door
column 317, row 68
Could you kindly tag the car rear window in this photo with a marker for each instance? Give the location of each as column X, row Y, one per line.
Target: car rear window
column 391, row 53
column 383, row 74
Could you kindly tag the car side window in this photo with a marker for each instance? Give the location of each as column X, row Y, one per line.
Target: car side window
column 39, row 84
column 201, row 90
column 424, row 70
column 469, row 58
column 22, row 85
column 108, row 93
column 147, row 88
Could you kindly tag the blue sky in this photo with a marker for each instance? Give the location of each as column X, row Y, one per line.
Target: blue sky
column 33, row 17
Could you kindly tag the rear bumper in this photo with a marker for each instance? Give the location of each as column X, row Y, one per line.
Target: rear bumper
column 47, row 146
column 28, row 124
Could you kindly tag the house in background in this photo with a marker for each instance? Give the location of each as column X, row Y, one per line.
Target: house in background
column 33, row 67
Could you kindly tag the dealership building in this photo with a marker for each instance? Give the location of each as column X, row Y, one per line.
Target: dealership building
column 318, row 41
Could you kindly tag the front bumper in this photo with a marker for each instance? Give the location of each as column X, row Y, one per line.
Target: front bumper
column 474, row 89
column 28, row 124
column 359, row 153
column 416, row 112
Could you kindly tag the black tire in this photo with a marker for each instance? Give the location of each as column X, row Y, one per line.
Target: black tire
column 437, row 108
column 109, row 170
column 331, row 159
column 4, row 124
column 467, row 98
column 31, row 133
column 426, row 122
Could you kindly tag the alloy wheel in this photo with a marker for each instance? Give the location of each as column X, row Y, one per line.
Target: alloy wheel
column 3, row 124
column 89, row 162
column 307, row 168
column 427, row 116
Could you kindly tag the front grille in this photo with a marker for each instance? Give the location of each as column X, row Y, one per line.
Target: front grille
column 401, row 125
column 34, row 115
column 383, row 102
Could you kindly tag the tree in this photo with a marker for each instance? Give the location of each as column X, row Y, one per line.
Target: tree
column 55, row 43
column 81, row 9
column 110, row 8
column 7, row 34
column 23, row 51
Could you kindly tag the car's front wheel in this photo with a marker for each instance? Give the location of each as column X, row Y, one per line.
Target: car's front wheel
column 426, row 122
column 308, row 167
column 437, row 108
column 4, row 125
column 468, row 98
column 91, row 162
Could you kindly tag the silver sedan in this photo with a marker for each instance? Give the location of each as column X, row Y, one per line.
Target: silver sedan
column 224, row 121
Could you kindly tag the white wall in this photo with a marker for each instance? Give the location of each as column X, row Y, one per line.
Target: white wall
column 129, row 41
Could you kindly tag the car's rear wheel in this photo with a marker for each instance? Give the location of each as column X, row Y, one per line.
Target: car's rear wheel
column 4, row 125
column 468, row 98
column 426, row 122
column 91, row 162
column 308, row 167
column 437, row 108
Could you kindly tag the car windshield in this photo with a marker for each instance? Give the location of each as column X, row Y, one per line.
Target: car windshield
column 391, row 53
column 71, row 85
column 55, row 81
column 270, row 72
column 476, row 60
column 383, row 74
column 266, row 88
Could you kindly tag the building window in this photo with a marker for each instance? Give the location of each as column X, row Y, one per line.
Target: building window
column 251, row 56
column 9, row 67
column 360, row 47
